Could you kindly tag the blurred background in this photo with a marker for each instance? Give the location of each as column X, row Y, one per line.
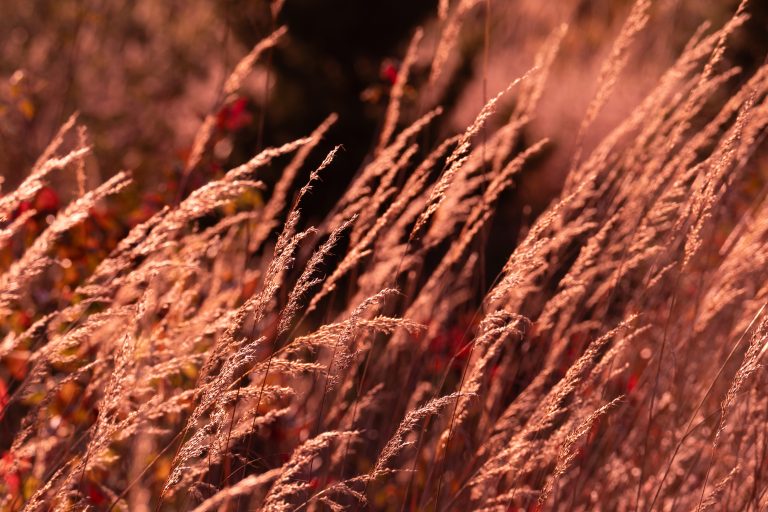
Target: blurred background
column 143, row 74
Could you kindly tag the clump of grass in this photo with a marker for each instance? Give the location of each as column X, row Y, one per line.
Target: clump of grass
column 226, row 358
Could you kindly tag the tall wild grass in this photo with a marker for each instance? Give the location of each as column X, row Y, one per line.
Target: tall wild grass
column 225, row 357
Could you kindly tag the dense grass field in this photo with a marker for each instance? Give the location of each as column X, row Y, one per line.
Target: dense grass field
column 494, row 308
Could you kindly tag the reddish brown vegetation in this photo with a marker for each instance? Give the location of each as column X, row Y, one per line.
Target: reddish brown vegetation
column 226, row 358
